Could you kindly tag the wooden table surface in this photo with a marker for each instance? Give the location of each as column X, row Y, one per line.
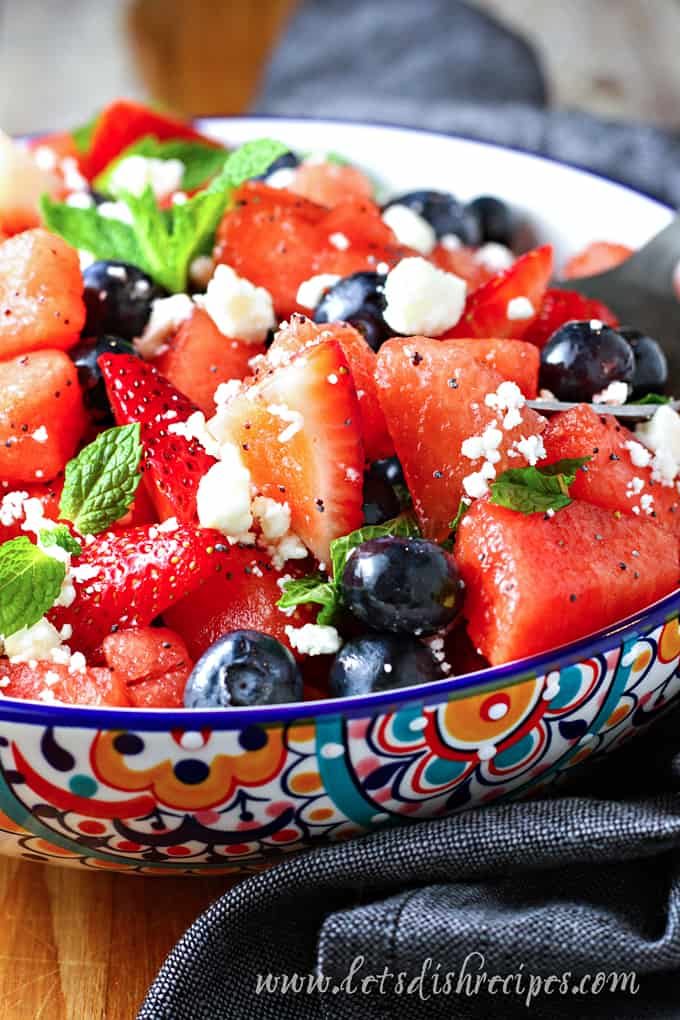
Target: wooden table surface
column 79, row 945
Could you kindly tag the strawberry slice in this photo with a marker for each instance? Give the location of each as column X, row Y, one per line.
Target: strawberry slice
column 488, row 311
column 135, row 575
column 560, row 306
column 361, row 358
column 172, row 465
column 597, row 257
column 298, row 428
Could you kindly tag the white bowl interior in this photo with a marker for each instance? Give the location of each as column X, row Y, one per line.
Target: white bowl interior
column 567, row 207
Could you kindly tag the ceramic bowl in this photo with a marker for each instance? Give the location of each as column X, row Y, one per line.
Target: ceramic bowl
column 167, row 792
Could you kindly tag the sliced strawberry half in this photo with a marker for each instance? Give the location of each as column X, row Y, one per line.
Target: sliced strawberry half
column 596, row 257
column 134, row 575
column 172, row 465
column 300, row 333
column 560, row 306
column 488, row 311
column 298, row 428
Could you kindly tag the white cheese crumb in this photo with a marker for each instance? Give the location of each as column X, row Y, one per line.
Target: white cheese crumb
column 639, row 455
column 475, row 484
column 284, row 177
column 73, row 179
column 421, row 299
column 167, row 315
column 273, row 517
column 295, row 418
column 40, row 435
column 339, row 240
column 45, row 158
column 290, row 547
column 180, row 198
column 410, row 229
column 314, row 639
column 223, row 496
column 195, row 428
column 12, row 507
column 80, row 200
column 312, row 290
column 238, row 308
column 495, row 257
column 226, row 391
column 485, row 445
column 531, row 448
column 136, row 173
column 635, row 486
column 520, row 308
column 509, row 398
column 115, row 211
column 36, row 642
column 614, row 394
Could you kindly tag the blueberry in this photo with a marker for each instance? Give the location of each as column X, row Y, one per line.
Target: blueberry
column 85, row 357
column 286, row 161
column 243, row 668
column 409, row 585
column 497, row 224
column 388, row 469
column 381, row 662
column 360, row 300
column 581, row 358
column 118, row 299
column 444, row 213
column 381, row 502
column 651, row 366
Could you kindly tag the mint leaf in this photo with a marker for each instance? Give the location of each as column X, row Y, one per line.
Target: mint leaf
column 463, row 507
column 650, row 398
column 201, row 161
column 101, row 481
column 62, row 537
column 82, row 136
column 315, row 588
column 85, row 228
column 249, row 160
column 30, row 582
column 342, row 548
column 537, row 489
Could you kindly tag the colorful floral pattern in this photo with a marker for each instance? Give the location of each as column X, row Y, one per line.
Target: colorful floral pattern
column 216, row 801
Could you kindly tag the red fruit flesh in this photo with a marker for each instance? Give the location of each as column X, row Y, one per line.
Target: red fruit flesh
column 330, row 183
column 300, row 333
column 124, row 122
column 199, row 358
column 465, row 263
column 298, row 429
column 597, row 257
column 173, row 465
column 41, row 416
column 46, row 681
column 513, row 359
column 152, row 663
column 609, row 479
column 433, row 395
column 139, row 573
column 534, row 583
column 41, row 293
column 242, row 596
column 486, row 309
column 560, row 306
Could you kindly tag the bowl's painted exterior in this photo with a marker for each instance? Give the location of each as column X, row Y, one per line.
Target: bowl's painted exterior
column 217, row 791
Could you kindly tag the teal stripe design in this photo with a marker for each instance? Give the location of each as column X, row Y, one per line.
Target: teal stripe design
column 335, row 773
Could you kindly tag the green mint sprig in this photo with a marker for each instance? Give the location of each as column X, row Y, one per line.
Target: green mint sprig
column 162, row 242
column 533, row 490
column 326, row 591
column 200, row 160
column 30, row 582
column 101, row 482
column 61, row 536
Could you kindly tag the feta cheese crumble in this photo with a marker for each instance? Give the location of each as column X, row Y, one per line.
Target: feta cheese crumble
column 661, row 435
column 223, row 496
column 421, row 299
column 237, row 307
column 314, row 639
column 509, row 398
column 135, row 173
column 295, row 418
column 613, row 395
column 115, row 211
column 281, row 178
column 520, row 308
column 339, row 240
column 312, row 290
column 531, row 448
column 167, row 315
column 495, row 257
column 410, row 229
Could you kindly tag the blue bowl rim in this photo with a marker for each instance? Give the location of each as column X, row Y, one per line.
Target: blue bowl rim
column 469, row 684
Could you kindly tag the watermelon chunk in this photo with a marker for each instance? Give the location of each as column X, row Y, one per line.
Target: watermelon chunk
column 330, row 183
column 536, row 582
column 611, row 480
column 515, row 360
column 41, row 416
column 199, row 358
column 596, row 257
column 433, row 394
column 47, row 681
column 152, row 664
column 41, row 293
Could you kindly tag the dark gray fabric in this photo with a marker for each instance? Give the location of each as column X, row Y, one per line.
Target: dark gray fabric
column 586, row 882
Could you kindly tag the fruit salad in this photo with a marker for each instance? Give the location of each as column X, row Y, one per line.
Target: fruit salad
column 263, row 439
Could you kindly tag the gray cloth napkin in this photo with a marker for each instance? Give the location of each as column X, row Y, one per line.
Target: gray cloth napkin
column 552, row 888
